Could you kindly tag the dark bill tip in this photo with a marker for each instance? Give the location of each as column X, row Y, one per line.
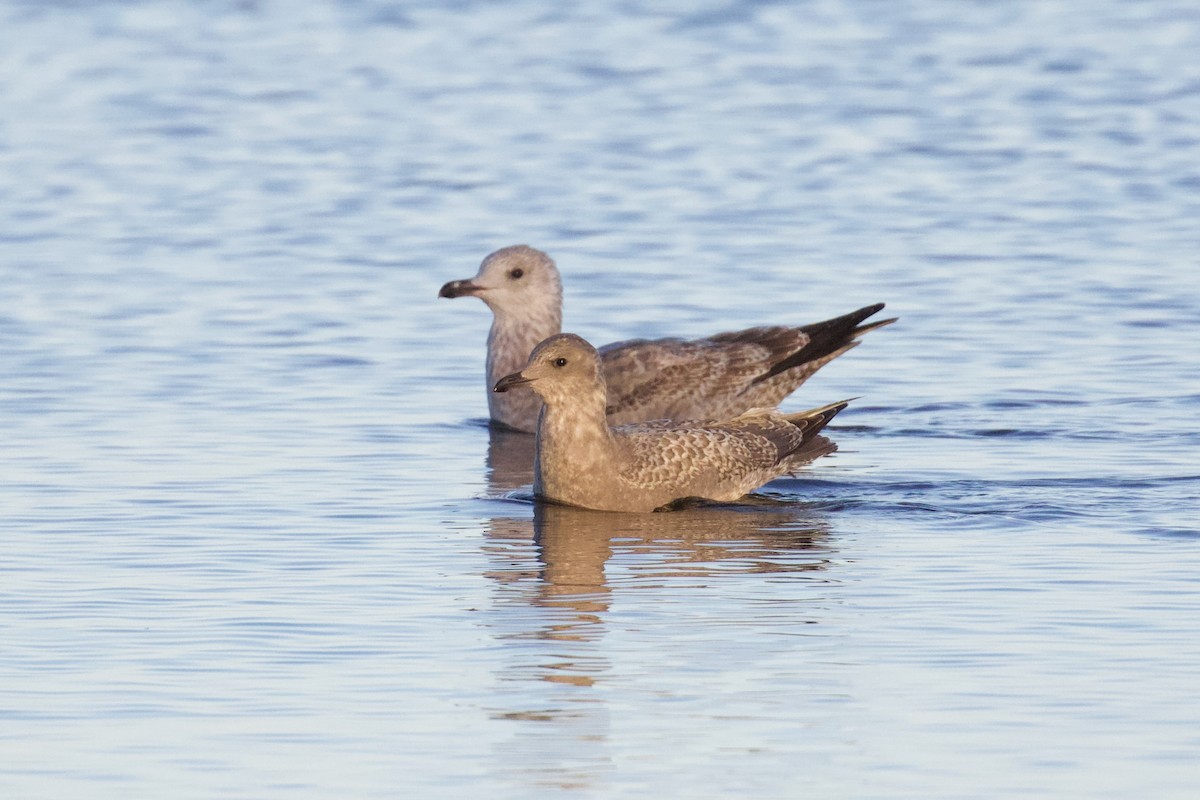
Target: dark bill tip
column 509, row 381
column 457, row 289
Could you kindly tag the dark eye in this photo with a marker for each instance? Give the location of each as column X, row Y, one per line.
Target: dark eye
column 516, row 273
column 560, row 362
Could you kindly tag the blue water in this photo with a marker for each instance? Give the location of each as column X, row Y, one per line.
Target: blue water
column 255, row 540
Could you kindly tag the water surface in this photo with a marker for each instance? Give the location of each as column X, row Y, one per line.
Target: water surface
column 258, row 542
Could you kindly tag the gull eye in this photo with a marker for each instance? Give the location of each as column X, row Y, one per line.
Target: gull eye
column 560, row 362
column 516, row 273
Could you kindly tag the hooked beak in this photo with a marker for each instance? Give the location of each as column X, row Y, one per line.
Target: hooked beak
column 463, row 288
column 509, row 381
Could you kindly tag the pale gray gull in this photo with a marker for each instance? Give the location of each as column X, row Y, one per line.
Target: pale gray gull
column 713, row 378
column 583, row 461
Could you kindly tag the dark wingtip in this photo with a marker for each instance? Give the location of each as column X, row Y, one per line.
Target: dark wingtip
column 861, row 329
column 832, row 410
column 822, row 416
column 812, row 423
column 827, row 337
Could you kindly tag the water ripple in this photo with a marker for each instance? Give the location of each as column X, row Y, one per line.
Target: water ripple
column 259, row 538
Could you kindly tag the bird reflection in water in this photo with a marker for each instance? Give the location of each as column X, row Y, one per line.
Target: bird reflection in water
column 509, row 460
column 556, row 577
column 568, row 562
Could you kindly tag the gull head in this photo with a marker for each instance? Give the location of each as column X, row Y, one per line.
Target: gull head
column 563, row 366
column 516, row 280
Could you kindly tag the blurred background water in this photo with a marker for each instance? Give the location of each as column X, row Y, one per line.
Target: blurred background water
column 257, row 541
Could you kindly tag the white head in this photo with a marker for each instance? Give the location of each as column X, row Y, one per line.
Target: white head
column 518, row 281
column 522, row 288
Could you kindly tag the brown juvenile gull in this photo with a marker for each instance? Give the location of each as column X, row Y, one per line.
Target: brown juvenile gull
column 582, row 461
column 713, row 378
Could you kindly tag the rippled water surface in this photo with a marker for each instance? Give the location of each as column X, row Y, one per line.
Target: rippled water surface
column 257, row 540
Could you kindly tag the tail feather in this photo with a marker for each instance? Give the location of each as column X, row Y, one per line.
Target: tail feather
column 810, row 451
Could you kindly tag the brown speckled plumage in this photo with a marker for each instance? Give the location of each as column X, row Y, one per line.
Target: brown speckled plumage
column 713, row 378
column 583, row 461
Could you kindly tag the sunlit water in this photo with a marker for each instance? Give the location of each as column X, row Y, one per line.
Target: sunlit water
column 256, row 540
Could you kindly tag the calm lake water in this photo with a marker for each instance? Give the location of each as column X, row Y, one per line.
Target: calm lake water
column 257, row 540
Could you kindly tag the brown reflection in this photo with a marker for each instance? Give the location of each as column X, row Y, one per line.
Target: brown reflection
column 509, row 460
column 556, row 576
column 760, row 536
column 560, row 559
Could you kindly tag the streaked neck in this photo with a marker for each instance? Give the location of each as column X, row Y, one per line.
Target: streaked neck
column 509, row 344
column 574, row 444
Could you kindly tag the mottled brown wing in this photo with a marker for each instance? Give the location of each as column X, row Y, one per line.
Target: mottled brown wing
column 701, row 378
column 666, row 454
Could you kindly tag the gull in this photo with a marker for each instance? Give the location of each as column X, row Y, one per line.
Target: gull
column 713, row 378
column 583, row 461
